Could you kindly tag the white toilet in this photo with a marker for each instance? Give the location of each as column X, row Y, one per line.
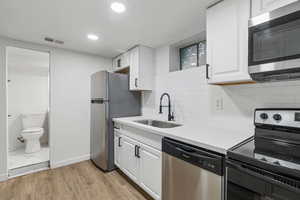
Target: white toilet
column 33, row 131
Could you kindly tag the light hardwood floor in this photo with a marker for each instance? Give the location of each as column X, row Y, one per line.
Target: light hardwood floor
column 81, row 181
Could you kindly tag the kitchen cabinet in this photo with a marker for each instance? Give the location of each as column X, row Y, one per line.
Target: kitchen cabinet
column 141, row 68
column 263, row 6
column 129, row 158
column 227, row 42
column 141, row 162
column 121, row 61
column 117, row 148
column 150, row 161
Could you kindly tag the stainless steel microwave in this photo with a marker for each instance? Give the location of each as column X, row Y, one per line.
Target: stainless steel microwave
column 274, row 44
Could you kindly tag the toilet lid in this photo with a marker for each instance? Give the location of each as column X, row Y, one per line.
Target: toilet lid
column 31, row 130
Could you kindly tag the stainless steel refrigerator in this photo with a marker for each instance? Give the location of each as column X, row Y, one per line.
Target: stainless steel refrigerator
column 110, row 98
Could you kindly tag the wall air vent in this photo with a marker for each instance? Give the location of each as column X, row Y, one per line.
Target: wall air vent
column 52, row 40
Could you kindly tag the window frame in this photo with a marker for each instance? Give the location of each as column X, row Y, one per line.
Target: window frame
column 188, row 46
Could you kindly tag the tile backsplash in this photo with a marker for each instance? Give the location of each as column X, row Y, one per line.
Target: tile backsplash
column 196, row 102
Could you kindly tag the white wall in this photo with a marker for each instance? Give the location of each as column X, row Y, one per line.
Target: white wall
column 194, row 101
column 70, row 104
column 27, row 94
column 70, row 107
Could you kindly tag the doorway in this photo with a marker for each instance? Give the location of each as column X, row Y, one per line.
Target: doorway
column 28, row 100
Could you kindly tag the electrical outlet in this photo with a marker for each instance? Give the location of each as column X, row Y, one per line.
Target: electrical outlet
column 219, row 104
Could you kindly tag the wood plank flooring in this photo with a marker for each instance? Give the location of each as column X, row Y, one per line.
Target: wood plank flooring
column 81, row 181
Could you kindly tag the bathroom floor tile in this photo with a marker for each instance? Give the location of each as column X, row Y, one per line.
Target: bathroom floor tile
column 19, row 158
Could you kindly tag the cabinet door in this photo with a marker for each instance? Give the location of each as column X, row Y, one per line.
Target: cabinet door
column 126, row 59
column 114, row 64
column 227, row 41
column 119, row 62
column 151, row 171
column 262, row 6
column 129, row 161
column 117, row 149
column 134, row 69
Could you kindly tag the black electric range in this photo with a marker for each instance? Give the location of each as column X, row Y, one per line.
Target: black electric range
column 267, row 166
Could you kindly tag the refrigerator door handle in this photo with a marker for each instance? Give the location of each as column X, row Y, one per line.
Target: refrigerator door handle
column 99, row 101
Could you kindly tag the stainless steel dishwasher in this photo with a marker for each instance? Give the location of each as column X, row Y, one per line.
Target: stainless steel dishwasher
column 191, row 173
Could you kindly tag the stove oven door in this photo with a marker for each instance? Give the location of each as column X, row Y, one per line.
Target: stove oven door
column 243, row 183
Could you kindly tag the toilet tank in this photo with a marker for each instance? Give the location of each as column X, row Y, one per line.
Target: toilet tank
column 33, row 120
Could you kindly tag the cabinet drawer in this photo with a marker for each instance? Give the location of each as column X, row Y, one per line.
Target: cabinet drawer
column 144, row 137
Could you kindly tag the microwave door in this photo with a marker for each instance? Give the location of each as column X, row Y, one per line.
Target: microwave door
column 275, row 44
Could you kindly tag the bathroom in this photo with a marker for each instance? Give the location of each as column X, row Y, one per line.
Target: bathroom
column 28, row 110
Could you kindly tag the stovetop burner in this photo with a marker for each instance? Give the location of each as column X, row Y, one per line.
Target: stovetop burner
column 276, row 144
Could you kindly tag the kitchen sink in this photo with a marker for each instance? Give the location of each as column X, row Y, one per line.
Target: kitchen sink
column 158, row 124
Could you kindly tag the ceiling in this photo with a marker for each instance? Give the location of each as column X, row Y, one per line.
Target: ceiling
column 148, row 22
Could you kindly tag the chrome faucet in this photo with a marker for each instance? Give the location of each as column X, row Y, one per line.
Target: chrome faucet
column 170, row 115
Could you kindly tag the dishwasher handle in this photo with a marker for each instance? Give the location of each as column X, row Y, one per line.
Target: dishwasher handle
column 189, row 154
column 202, row 158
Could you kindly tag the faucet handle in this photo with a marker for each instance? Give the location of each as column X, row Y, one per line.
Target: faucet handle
column 172, row 117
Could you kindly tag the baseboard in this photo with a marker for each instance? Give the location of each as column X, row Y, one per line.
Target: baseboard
column 3, row 177
column 70, row 161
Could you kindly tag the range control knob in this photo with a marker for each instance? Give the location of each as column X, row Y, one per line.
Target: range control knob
column 264, row 116
column 264, row 159
column 276, row 163
column 277, row 117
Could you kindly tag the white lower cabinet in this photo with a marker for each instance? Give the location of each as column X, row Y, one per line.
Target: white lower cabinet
column 129, row 159
column 117, row 147
column 150, row 167
column 140, row 162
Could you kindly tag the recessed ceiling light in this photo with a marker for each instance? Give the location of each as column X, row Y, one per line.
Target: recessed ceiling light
column 118, row 7
column 92, row 37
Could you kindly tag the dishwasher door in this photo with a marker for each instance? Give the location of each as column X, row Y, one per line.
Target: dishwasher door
column 183, row 180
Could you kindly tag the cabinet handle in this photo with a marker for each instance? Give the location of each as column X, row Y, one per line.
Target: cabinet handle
column 136, row 82
column 207, row 66
column 119, row 63
column 137, row 151
column 119, row 141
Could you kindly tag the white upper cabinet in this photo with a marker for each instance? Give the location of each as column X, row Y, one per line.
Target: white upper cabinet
column 126, row 59
column 121, row 62
column 141, row 68
column 262, row 6
column 227, row 42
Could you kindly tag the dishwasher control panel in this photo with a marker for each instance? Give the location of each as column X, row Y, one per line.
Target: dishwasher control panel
column 202, row 158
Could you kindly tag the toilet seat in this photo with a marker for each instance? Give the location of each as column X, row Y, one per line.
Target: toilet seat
column 33, row 131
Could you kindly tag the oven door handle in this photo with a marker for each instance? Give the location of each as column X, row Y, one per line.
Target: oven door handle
column 265, row 178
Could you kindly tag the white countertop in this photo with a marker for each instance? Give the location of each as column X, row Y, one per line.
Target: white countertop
column 218, row 139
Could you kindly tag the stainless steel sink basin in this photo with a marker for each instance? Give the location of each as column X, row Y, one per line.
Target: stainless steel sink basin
column 157, row 123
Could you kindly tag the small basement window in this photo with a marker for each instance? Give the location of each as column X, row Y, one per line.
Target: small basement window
column 192, row 55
